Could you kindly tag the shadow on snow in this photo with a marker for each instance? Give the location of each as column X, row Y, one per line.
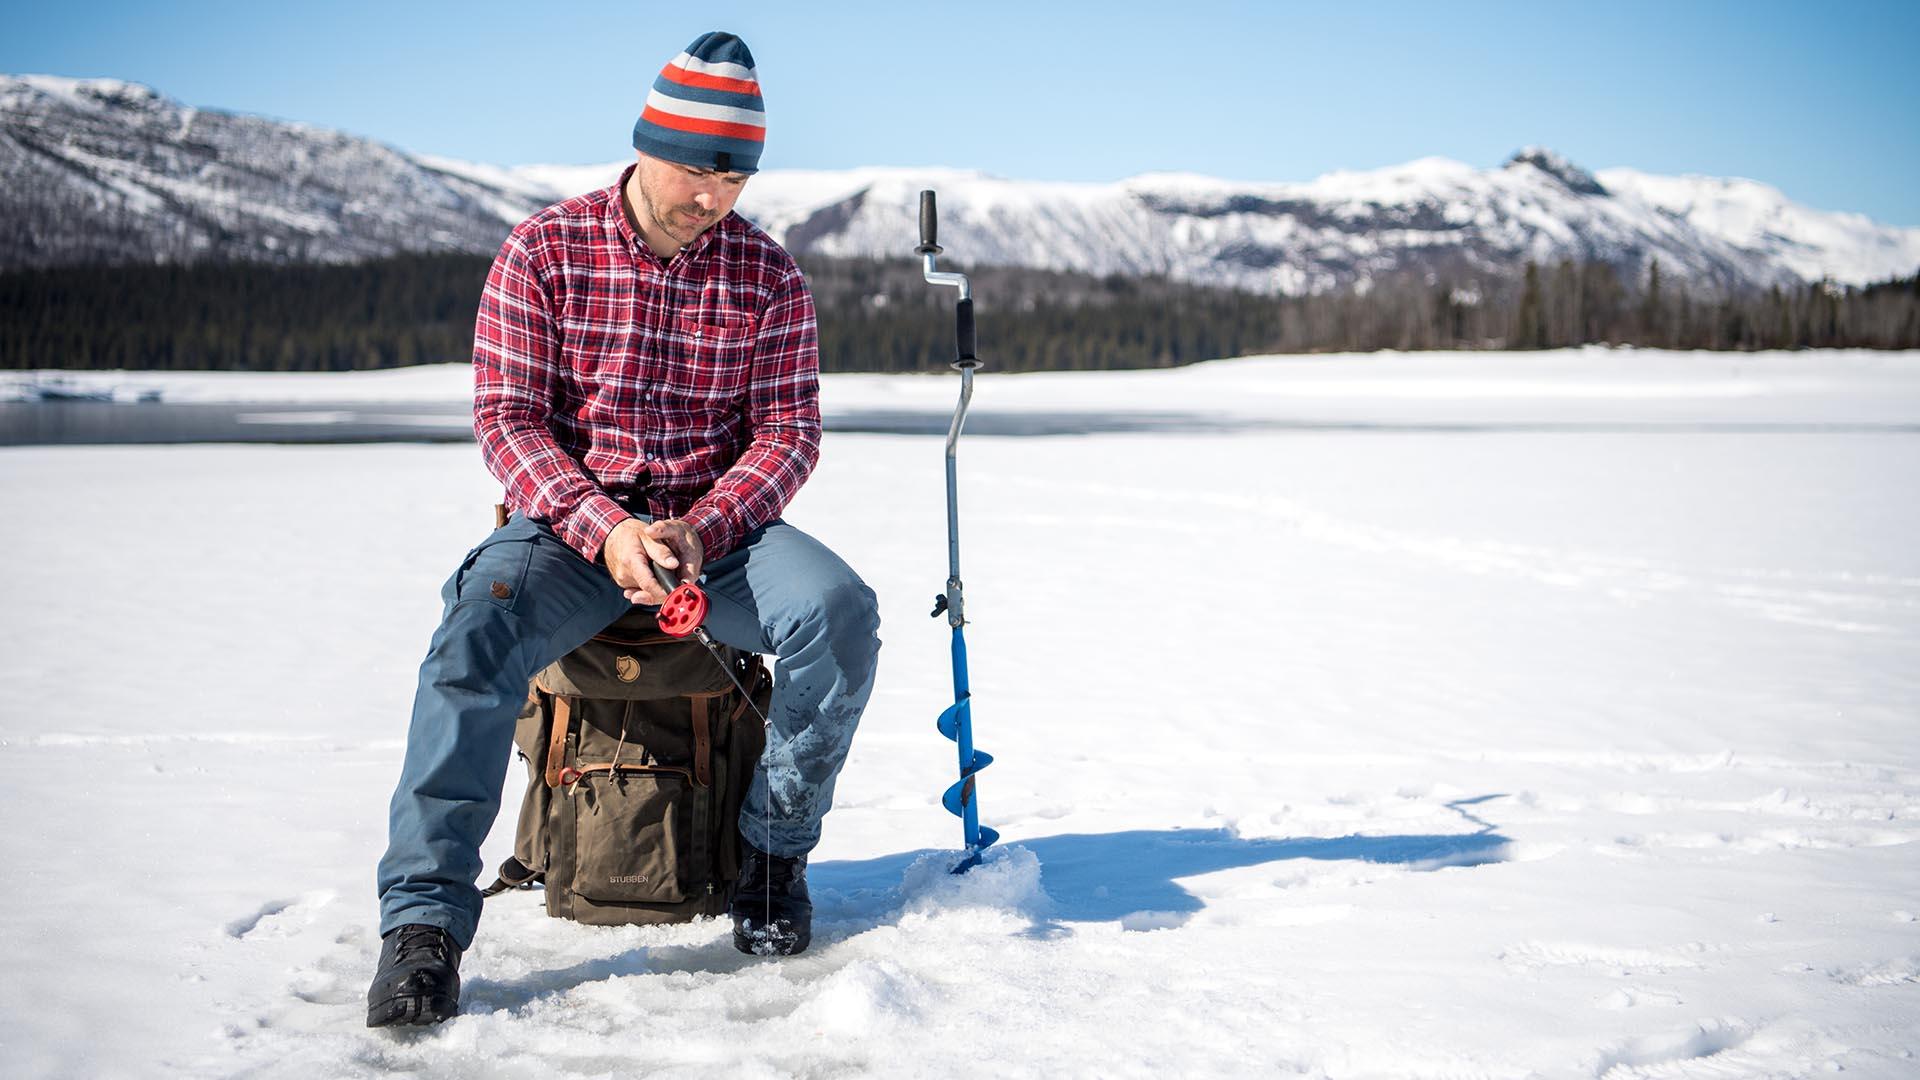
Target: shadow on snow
column 1097, row 877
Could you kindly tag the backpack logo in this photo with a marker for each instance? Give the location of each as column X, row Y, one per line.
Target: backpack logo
column 627, row 668
column 627, row 879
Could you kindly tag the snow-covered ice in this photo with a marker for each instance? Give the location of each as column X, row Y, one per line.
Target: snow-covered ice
column 1422, row 715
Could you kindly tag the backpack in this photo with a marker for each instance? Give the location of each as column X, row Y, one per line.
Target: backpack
column 639, row 754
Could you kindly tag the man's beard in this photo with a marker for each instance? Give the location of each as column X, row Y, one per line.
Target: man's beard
column 662, row 222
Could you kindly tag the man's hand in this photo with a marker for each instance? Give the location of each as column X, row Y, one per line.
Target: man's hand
column 634, row 546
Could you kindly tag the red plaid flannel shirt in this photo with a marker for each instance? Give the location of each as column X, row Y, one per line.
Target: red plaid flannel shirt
column 604, row 377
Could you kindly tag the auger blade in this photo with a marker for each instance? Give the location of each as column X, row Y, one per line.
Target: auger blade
column 955, row 797
column 972, row 857
column 949, row 722
column 961, row 791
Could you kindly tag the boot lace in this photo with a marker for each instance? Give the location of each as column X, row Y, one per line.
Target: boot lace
column 419, row 941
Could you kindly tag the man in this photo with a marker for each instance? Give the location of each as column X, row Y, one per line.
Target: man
column 646, row 389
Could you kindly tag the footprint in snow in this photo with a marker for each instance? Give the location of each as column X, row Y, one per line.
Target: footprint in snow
column 280, row 918
column 1706, row 1040
column 1899, row 971
column 1633, row 997
column 1533, row 955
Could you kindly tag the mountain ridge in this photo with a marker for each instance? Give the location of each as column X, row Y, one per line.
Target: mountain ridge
column 106, row 170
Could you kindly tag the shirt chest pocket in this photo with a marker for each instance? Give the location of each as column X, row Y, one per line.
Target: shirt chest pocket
column 712, row 358
column 601, row 338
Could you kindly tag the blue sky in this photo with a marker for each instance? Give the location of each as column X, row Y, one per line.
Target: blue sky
column 1817, row 99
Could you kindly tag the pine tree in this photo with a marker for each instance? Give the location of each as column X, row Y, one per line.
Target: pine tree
column 1530, row 327
column 1651, row 329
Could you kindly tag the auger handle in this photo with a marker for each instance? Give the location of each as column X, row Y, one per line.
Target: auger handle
column 929, row 226
column 685, row 608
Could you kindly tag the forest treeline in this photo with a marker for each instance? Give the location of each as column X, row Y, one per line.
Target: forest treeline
column 879, row 316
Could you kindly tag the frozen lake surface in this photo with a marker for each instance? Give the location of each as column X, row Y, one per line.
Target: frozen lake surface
column 1447, row 714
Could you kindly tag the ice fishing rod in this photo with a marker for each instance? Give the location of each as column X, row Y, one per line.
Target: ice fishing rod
column 956, row 722
column 684, row 613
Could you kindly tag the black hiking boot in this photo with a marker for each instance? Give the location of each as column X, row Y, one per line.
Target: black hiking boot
column 771, row 913
column 419, row 978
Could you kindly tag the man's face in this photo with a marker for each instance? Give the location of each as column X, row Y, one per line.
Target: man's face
column 683, row 201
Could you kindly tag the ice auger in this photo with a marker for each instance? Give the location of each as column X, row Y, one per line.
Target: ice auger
column 956, row 722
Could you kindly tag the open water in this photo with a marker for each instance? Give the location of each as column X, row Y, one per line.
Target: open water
column 75, row 423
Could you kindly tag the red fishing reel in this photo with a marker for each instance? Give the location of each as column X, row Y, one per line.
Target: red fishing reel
column 684, row 611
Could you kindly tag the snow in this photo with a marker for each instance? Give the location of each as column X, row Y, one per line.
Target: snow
column 1619, row 386
column 89, row 94
column 495, row 176
column 145, row 190
column 1816, row 244
column 566, row 181
column 1394, row 185
column 1403, row 715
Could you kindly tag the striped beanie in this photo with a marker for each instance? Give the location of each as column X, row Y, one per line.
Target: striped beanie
column 705, row 108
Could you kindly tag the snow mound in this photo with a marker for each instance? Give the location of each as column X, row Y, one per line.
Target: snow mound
column 1007, row 879
column 867, row 996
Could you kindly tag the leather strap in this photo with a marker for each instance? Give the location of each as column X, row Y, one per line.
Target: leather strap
column 623, row 767
column 514, row 874
column 755, row 678
column 557, row 738
column 702, row 741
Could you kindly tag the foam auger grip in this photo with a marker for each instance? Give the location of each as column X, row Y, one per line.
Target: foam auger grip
column 929, row 226
column 963, row 329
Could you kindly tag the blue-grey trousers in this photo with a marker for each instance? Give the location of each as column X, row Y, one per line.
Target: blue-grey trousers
column 523, row 599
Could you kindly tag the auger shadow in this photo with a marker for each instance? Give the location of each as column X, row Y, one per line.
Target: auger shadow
column 1096, row 877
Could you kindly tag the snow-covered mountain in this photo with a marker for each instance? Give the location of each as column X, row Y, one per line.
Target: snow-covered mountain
column 1815, row 244
column 93, row 170
column 102, row 170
